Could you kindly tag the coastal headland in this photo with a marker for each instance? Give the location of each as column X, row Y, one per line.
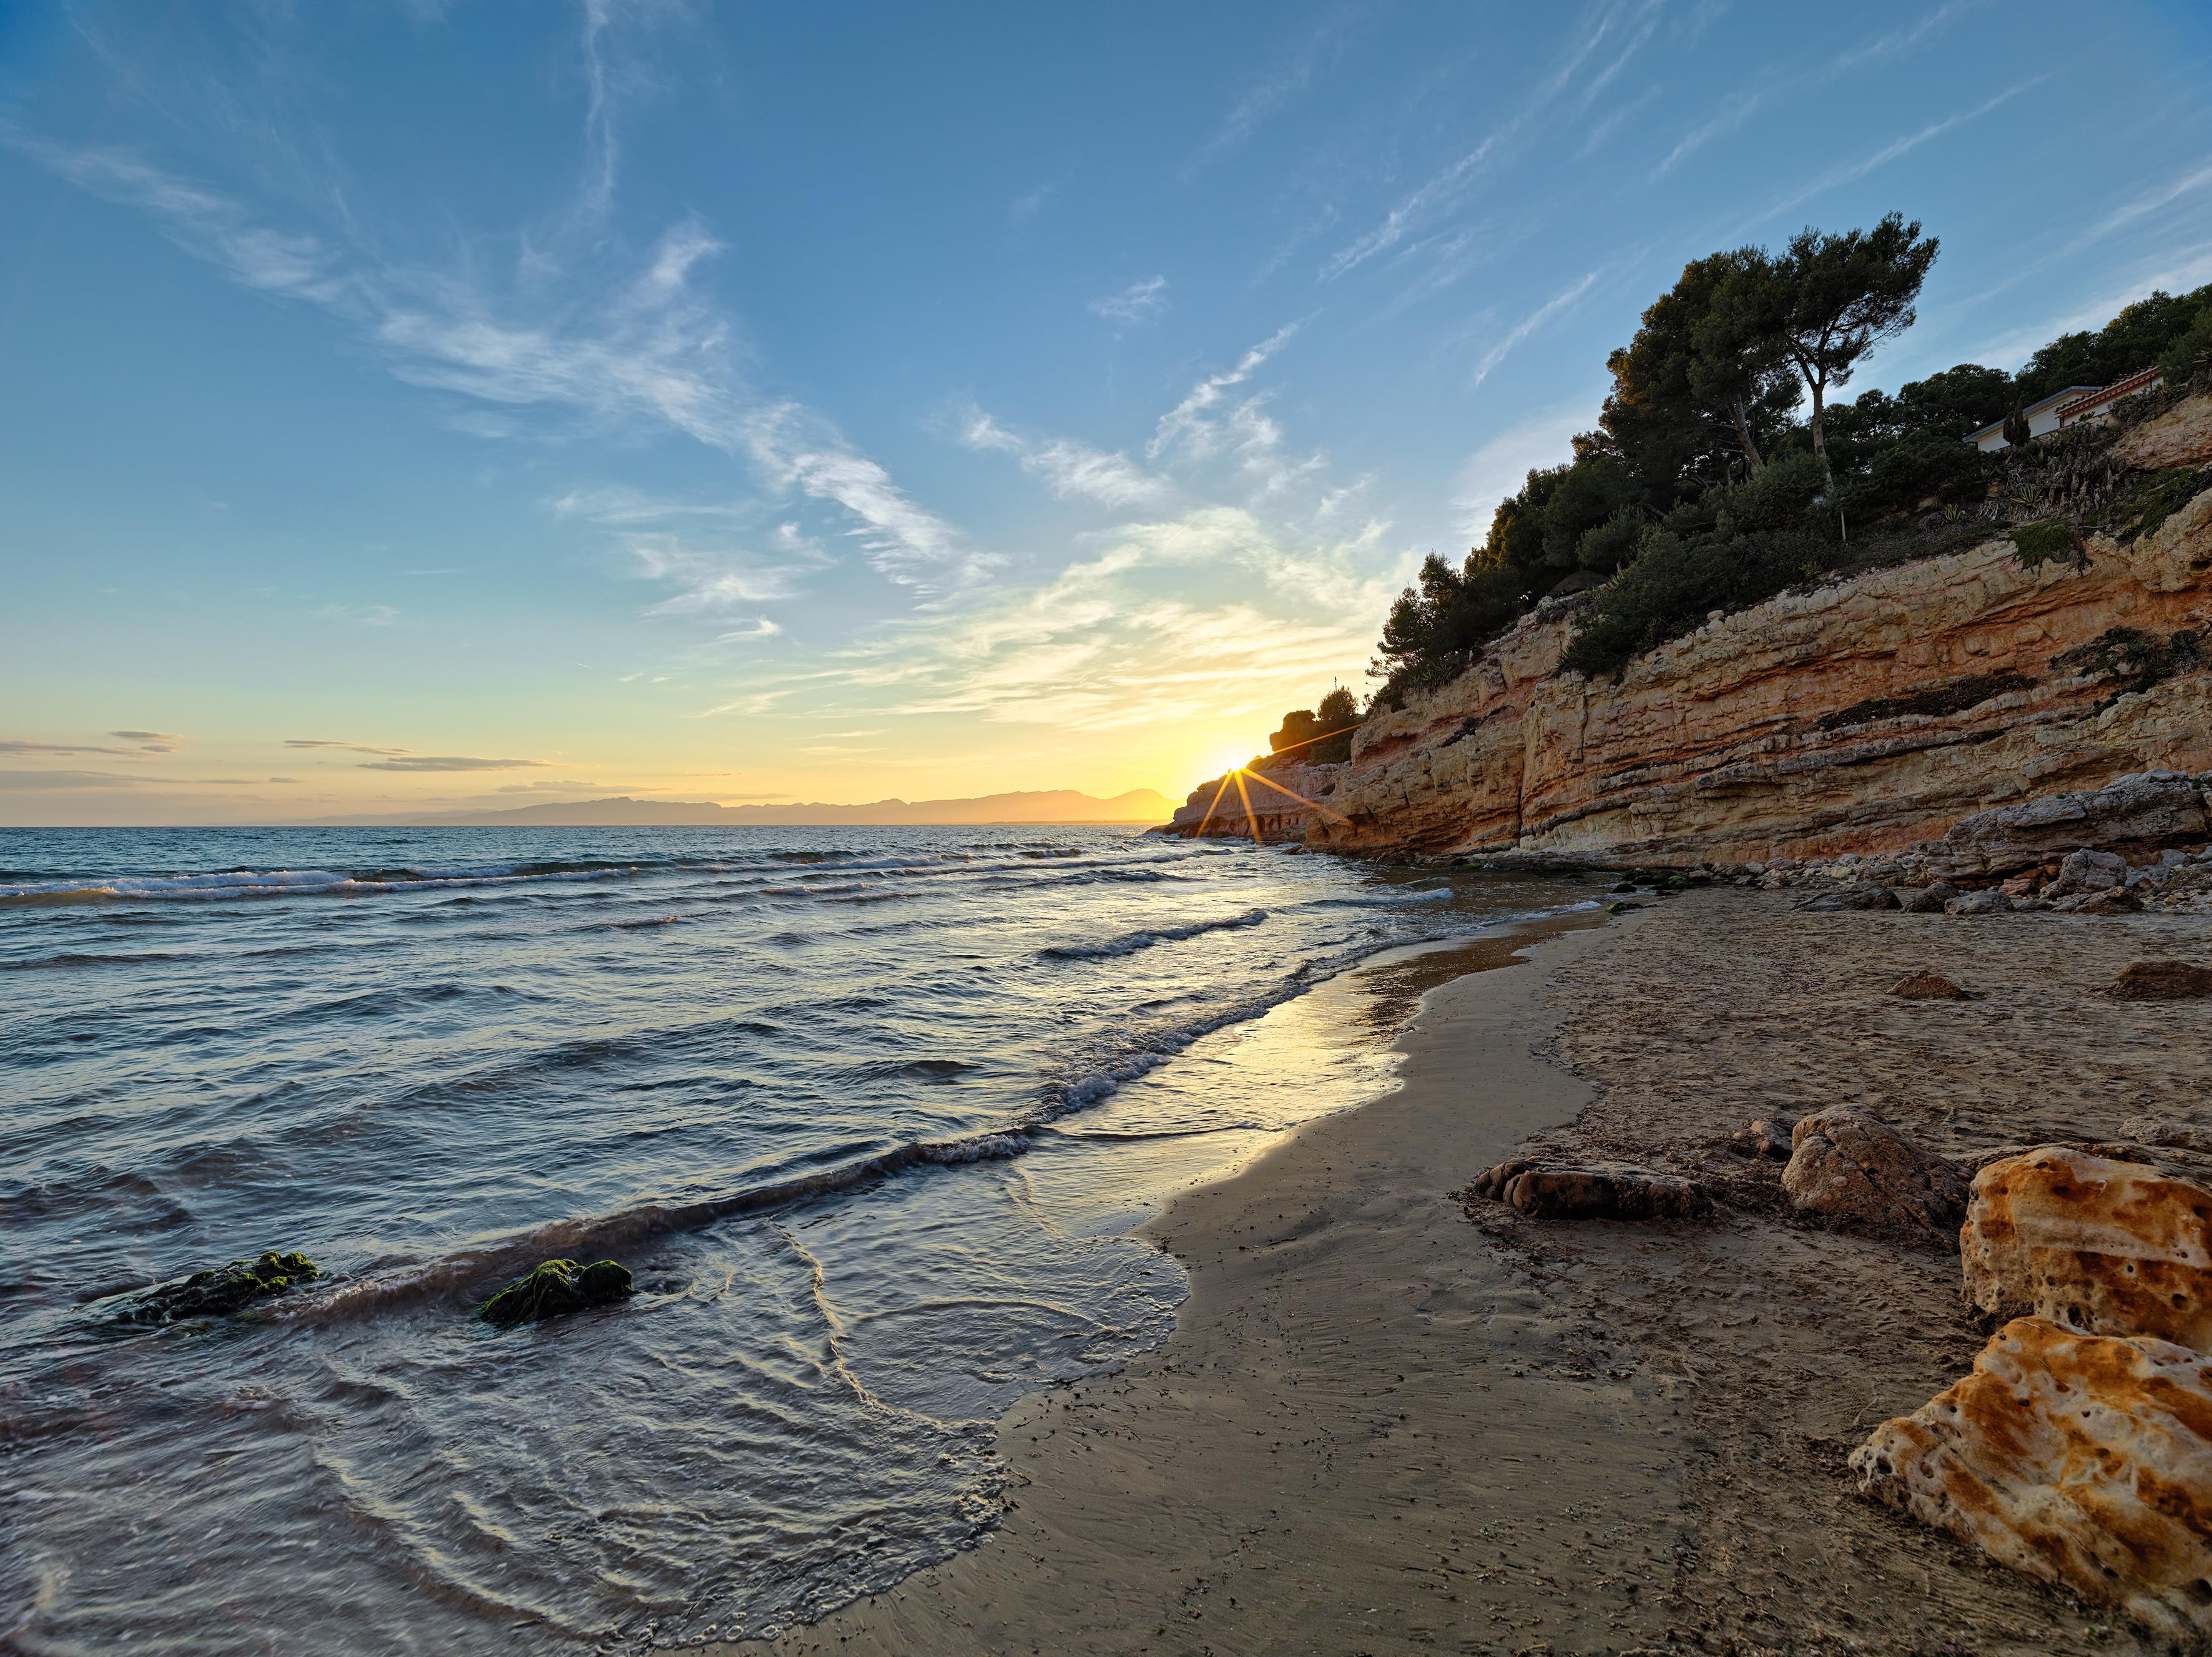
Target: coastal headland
column 1394, row 1418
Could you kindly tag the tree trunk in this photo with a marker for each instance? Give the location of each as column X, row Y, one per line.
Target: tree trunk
column 1820, row 441
column 1743, row 436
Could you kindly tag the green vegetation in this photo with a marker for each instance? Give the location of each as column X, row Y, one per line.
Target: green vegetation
column 1939, row 701
column 2137, row 658
column 1314, row 736
column 555, row 1288
column 221, row 1290
column 2037, row 544
column 1702, row 490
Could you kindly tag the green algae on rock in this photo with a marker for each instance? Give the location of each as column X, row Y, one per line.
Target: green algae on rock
column 221, row 1290
column 555, row 1288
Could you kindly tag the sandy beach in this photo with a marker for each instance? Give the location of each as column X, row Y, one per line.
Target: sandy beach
column 1385, row 1423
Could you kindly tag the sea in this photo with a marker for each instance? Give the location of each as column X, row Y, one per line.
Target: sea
column 871, row 1115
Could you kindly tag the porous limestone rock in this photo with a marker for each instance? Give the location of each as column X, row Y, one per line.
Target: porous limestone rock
column 2085, row 1461
column 1989, row 901
column 2112, row 1247
column 1847, row 1169
column 2161, row 980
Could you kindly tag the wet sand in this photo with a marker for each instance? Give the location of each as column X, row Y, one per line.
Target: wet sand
column 1384, row 1424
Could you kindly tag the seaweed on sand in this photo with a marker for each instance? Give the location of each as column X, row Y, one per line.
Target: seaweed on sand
column 554, row 1289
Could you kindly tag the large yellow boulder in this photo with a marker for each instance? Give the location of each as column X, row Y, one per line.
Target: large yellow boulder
column 2082, row 1459
column 2110, row 1247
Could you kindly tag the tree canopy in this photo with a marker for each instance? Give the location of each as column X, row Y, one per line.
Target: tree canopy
column 1700, row 486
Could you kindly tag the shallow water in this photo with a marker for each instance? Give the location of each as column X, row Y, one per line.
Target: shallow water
column 869, row 1112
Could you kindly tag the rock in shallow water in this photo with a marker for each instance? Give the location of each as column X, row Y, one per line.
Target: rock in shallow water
column 555, row 1288
column 220, row 1291
column 2082, row 1459
column 2111, row 1247
column 1849, row 1169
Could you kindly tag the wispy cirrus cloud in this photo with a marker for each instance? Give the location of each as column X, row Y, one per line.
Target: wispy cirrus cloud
column 152, row 742
column 343, row 747
column 1529, row 324
column 1138, row 303
column 20, row 746
column 649, row 347
column 1287, row 78
column 1443, row 190
column 1851, row 172
column 449, row 762
column 1190, row 424
column 1072, row 471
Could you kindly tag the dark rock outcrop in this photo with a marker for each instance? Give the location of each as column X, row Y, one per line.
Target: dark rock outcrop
column 555, row 1288
column 1595, row 1192
column 1849, row 1169
column 219, row 1291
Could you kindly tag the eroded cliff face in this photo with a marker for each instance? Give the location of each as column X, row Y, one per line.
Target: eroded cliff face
column 1861, row 716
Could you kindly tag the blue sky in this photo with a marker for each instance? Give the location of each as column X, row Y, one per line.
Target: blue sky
column 537, row 401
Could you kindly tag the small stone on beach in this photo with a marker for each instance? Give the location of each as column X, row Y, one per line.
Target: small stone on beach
column 1931, row 987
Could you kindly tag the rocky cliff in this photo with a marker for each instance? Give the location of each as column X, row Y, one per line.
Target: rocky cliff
column 1861, row 715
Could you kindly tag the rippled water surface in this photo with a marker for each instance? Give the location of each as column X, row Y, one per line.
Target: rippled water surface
column 869, row 1113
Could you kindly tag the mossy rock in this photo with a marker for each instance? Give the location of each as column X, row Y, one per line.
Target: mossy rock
column 554, row 1289
column 221, row 1290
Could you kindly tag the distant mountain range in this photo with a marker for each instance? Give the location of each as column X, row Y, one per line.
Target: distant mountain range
column 1048, row 805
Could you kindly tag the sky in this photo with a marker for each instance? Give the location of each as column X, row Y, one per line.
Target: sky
column 417, row 406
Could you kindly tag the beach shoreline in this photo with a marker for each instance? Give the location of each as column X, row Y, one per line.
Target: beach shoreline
column 1307, row 1463
column 1385, row 1423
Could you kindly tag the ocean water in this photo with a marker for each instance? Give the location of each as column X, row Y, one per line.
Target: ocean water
column 870, row 1114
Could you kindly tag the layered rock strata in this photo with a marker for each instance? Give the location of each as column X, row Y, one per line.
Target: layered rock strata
column 1859, row 716
column 1276, row 803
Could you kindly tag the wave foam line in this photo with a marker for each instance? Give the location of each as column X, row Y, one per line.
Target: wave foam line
column 1130, row 943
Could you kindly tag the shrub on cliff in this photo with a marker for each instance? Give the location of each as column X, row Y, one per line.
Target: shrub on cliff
column 1674, row 584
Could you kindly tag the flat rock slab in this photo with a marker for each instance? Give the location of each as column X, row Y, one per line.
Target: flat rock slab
column 2082, row 1459
column 2108, row 1247
column 1849, row 1169
column 1596, row 1193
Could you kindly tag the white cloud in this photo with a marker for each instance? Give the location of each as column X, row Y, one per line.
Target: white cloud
column 1851, row 172
column 1275, row 89
column 1529, row 324
column 1500, row 466
column 1070, row 468
column 1138, row 303
column 1186, row 426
